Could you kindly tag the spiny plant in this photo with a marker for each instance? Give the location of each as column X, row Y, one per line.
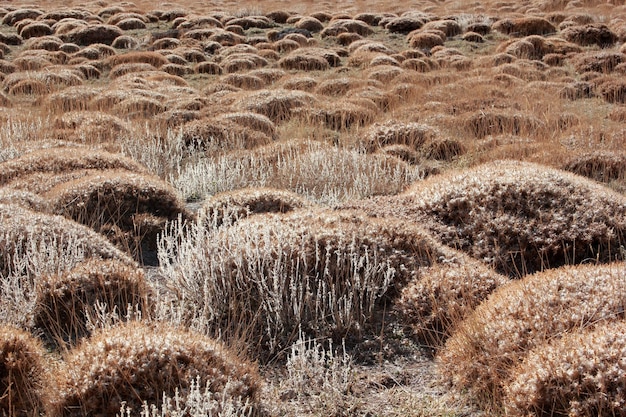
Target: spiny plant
column 23, row 373
column 488, row 345
column 581, row 374
column 518, row 217
column 135, row 363
column 67, row 302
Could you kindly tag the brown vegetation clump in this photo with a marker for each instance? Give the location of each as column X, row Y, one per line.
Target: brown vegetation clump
column 425, row 40
column 153, row 58
column 592, row 34
column 581, row 374
column 130, row 209
column 412, row 134
column 603, row 62
column 444, row 295
column 301, row 83
column 23, row 373
column 252, row 121
column 66, row 302
column 35, row 30
column 496, row 122
column 220, row 135
column 26, row 234
column 487, row 347
column 603, row 166
column 276, row 104
column 524, row 26
column 337, row 115
column 62, row 159
column 309, row 23
column 310, row 59
column 130, row 68
column 135, row 363
column 231, row 206
column 84, row 36
column 518, row 217
column 24, row 199
column 444, row 149
column 404, row 24
column 613, row 90
column 338, row 26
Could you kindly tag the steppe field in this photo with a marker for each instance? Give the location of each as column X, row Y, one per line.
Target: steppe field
column 296, row 208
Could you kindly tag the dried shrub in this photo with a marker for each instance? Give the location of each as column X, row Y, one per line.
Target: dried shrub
column 62, row 159
column 84, row 36
column 35, row 30
column 445, row 149
column 129, row 68
column 613, row 90
column 486, row 348
column 139, row 106
column 208, row 68
column 413, row 135
column 473, row 37
column 130, row 209
column 221, row 135
column 72, row 99
column 23, row 373
column 24, row 199
column 531, row 217
column 337, row 26
column 67, row 302
column 318, row 260
column 153, row 58
column 234, row 205
column 449, row 27
column 52, row 78
column 276, row 104
column 301, row 83
column 310, row 59
column 603, row 166
column 603, row 62
column 35, row 244
column 444, row 295
column 424, row 40
column 135, row 363
column 252, row 121
column 404, row 24
column 581, row 374
column 496, row 122
column 337, row 115
column 403, row 152
column 524, row 26
column 592, row 34
column 244, row 81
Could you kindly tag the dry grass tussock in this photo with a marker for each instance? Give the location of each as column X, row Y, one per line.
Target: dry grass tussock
column 518, row 217
column 131, row 363
column 67, row 303
column 276, row 104
column 484, row 352
column 129, row 208
column 23, row 373
column 61, row 159
column 413, row 135
column 316, row 271
column 445, row 293
column 36, row 243
column 581, row 374
column 603, row 166
column 223, row 133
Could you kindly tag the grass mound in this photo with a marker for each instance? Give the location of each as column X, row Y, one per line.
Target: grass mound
column 62, row 159
column 66, row 301
column 131, row 209
column 603, row 166
column 518, row 217
column 23, row 374
column 320, row 272
column 485, row 349
column 581, row 374
column 35, row 243
column 134, row 362
column 413, row 135
column 433, row 305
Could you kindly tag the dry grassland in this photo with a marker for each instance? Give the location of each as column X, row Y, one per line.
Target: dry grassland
column 268, row 208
